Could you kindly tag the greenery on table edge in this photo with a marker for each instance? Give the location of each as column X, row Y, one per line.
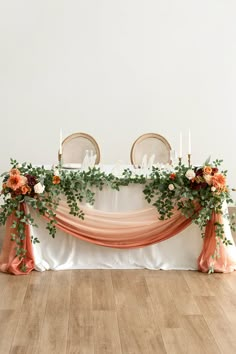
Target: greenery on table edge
column 189, row 189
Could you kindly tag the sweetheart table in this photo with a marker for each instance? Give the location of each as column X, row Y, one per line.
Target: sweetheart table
column 120, row 231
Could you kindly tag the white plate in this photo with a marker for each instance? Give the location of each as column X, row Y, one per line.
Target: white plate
column 75, row 166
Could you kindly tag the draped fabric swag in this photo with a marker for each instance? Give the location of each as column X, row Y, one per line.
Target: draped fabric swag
column 133, row 229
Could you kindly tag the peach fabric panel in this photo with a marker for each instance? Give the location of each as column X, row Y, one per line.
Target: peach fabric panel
column 223, row 263
column 9, row 262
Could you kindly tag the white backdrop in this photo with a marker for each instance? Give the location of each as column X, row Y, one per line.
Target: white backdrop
column 117, row 69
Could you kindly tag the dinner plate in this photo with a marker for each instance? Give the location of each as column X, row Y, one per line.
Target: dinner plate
column 72, row 166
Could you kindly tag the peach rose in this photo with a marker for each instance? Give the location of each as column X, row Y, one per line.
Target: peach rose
column 16, row 181
column 56, row 180
column 14, row 171
column 219, row 181
column 207, row 170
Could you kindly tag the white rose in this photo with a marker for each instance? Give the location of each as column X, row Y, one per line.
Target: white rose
column 213, row 189
column 171, row 187
column 190, row 174
column 39, row 188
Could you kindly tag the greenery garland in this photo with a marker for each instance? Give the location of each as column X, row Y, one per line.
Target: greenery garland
column 178, row 187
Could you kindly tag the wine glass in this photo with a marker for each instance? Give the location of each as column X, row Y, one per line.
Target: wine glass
column 173, row 157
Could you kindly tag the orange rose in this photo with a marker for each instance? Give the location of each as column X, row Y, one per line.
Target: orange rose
column 172, row 176
column 56, row 180
column 25, row 189
column 16, row 181
column 207, row 170
column 219, row 181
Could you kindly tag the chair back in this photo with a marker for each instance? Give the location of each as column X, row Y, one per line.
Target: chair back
column 75, row 145
column 151, row 145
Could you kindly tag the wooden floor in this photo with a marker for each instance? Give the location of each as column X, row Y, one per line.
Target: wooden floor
column 118, row 311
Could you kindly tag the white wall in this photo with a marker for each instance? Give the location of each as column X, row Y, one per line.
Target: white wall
column 116, row 70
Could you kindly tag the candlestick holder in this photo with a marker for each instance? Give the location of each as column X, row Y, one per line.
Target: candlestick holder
column 180, row 160
column 189, row 160
column 60, row 159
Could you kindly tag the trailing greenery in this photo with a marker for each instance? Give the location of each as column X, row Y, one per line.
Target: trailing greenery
column 197, row 192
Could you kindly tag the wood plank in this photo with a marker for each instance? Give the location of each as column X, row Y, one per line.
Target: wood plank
column 106, row 333
column 4, row 278
column 198, row 283
column 53, row 339
column 138, row 325
column 217, row 321
column 175, row 341
column 181, row 294
column 13, row 291
column 80, row 338
column 102, row 290
column 8, row 325
column 32, row 314
column 137, row 335
column 224, row 334
column 218, row 284
column 163, row 302
column 198, row 337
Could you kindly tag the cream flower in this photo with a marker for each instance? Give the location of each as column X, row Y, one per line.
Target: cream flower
column 171, row 187
column 213, row 189
column 39, row 188
column 56, row 172
column 208, row 179
column 190, row 174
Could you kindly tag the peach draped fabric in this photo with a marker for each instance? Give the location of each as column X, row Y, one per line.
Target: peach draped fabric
column 223, row 262
column 9, row 262
column 132, row 229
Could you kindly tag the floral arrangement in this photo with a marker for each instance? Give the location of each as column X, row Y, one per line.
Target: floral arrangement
column 16, row 184
column 35, row 186
column 196, row 191
column 190, row 189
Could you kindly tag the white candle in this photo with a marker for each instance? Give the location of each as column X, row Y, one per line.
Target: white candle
column 189, row 142
column 180, row 145
column 60, row 146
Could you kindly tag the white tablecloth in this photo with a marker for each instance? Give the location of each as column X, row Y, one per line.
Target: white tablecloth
column 69, row 252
